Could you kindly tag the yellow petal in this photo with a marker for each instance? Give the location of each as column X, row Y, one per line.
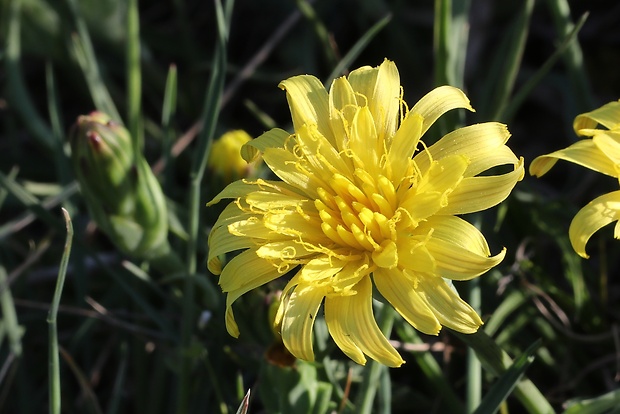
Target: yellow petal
column 399, row 291
column 269, row 201
column 363, row 81
column 285, row 165
column 459, row 250
column 288, row 250
column 608, row 115
column 241, row 188
column 364, row 141
column 342, row 109
column 448, row 307
column 385, row 100
column 584, row 153
column 456, row 263
column 235, row 275
column 307, row 99
column 609, row 145
column 292, row 224
column 316, row 270
column 413, row 254
column 323, row 158
column 237, row 281
column 221, row 242
column 403, row 145
column 480, row 193
column 298, row 321
column 439, row 101
column 387, row 255
column 457, row 231
column 274, row 138
column 351, row 323
column 596, row 214
column 483, row 144
column 433, row 191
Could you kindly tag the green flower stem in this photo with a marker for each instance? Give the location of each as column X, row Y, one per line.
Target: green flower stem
column 496, row 361
column 474, row 368
column 373, row 369
column 209, row 118
column 54, row 363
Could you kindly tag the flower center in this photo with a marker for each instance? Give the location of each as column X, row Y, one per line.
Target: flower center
column 361, row 214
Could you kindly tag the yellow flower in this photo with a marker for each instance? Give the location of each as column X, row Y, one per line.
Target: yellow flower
column 357, row 206
column 599, row 152
column 225, row 158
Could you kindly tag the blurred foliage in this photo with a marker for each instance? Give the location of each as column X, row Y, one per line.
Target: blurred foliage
column 119, row 318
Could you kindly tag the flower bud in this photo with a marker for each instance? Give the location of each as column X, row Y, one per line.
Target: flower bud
column 225, row 157
column 121, row 192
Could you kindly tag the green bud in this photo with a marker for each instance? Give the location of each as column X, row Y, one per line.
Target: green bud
column 121, row 192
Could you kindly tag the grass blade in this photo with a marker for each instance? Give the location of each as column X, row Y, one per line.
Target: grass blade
column 496, row 361
column 16, row 87
column 209, row 117
column 473, row 388
column 527, row 88
column 507, row 382
column 357, row 48
column 10, row 322
column 573, row 55
column 134, row 77
column 168, row 113
column 54, row 364
column 85, row 55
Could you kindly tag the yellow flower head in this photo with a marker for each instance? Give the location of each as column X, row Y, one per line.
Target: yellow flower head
column 363, row 201
column 599, row 152
column 225, row 158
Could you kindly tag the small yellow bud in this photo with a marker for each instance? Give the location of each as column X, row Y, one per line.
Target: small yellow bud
column 225, row 157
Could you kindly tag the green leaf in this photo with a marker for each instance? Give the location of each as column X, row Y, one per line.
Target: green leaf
column 597, row 405
column 496, row 361
column 507, row 381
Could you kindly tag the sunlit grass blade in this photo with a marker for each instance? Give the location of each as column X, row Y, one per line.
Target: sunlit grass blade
column 85, row 54
column 54, row 363
column 357, row 48
column 60, row 156
column 320, row 30
column 210, row 116
column 30, row 201
column 28, row 217
column 532, row 81
column 134, row 76
column 10, row 323
column 509, row 305
column 606, row 403
column 451, row 28
column 473, row 386
column 496, row 361
column 573, row 55
column 451, row 33
column 502, row 388
column 167, row 114
column 17, row 92
column 507, row 63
